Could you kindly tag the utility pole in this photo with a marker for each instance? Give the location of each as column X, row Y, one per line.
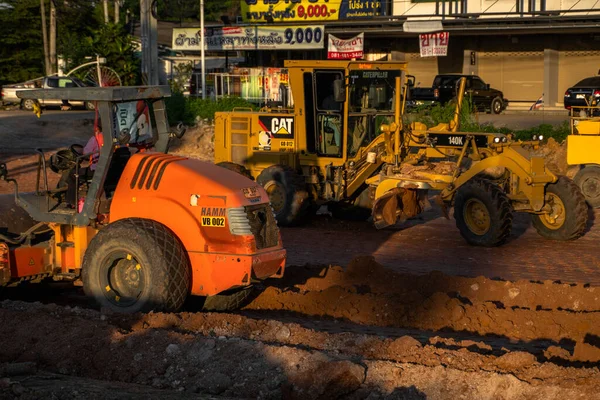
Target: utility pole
column 45, row 39
column 203, row 63
column 149, row 43
column 117, row 4
column 105, row 11
column 53, row 63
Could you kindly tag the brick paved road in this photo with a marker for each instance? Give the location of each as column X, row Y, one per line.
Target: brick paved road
column 434, row 243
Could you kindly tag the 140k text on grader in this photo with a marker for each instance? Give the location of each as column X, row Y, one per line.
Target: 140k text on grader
column 151, row 228
column 343, row 142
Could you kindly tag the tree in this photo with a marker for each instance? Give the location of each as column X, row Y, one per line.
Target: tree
column 21, row 47
column 113, row 42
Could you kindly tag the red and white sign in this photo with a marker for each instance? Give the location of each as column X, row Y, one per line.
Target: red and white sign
column 345, row 49
column 434, row 44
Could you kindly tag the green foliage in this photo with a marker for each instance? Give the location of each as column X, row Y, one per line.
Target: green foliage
column 442, row 114
column 559, row 133
column 113, row 42
column 437, row 114
column 182, row 75
column 75, row 24
column 21, row 49
column 189, row 109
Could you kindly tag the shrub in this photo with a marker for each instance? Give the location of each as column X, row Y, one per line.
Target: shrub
column 443, row 114
column 189, row 109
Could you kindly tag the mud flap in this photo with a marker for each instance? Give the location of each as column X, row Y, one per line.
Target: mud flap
column 397, row 205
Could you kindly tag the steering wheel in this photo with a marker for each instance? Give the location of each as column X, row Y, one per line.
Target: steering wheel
column 77, row 150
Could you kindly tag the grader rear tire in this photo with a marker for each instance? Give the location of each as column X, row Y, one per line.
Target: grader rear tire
column 569, row 216
column 588, row 180
column 287, row 193
column 483, row 213
column 136, row 265
column 240, row 169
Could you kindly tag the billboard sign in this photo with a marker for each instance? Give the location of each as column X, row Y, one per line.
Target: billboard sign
column 342, row 49
column 309, row 10
column 251, row 38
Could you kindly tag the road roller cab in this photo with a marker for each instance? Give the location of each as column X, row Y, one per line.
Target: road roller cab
column 145, row 228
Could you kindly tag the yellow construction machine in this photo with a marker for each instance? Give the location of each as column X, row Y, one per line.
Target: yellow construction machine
column 344, row 142
column 583, row 150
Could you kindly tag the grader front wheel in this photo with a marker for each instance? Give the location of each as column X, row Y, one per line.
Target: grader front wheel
column 483, row 213
column 568, row 217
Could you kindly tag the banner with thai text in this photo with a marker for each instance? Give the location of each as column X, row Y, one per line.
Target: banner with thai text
column 345, row 49
column 251, row 38
column 310, row 10
column 434, row 44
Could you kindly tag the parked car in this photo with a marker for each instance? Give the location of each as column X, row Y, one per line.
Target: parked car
column 444, row 87
column 584, row 93
column 8, row 93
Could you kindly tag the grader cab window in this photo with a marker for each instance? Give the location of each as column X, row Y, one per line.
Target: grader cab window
column 372, row 90
column 372, row 96
column 329, row 114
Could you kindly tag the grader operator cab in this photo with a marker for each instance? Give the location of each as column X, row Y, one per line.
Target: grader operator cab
column 583, row 149
column 151, row 228
column 344, row 143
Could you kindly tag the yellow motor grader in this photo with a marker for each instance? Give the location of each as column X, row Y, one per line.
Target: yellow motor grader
column 343, row 142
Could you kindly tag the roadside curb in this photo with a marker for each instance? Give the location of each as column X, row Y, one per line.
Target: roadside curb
column 564, row 113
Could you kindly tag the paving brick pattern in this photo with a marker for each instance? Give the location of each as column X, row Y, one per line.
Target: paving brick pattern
column 434, row 243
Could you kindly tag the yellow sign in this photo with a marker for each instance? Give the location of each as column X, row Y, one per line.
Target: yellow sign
column 309, row 10
column 213, row 221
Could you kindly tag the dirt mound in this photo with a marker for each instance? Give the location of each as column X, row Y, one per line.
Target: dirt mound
column 555, row 155
column 366, row 293
column 198, row 142
column 239, row 357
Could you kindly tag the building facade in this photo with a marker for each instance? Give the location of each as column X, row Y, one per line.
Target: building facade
column 524, row 48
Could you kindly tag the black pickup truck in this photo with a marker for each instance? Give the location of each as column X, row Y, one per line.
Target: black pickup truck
column 445, row 87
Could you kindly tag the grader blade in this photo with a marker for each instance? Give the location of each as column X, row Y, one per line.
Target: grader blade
column 13, row 219
column 385, row 209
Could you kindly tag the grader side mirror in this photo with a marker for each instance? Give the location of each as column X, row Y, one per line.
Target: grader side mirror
column 338, row 90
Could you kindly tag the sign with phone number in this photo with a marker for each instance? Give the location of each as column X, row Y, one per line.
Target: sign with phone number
column 434, row 44
column 309, row 10
column 251, row 38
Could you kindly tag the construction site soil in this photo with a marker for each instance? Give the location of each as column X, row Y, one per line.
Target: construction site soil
column 324, row 331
